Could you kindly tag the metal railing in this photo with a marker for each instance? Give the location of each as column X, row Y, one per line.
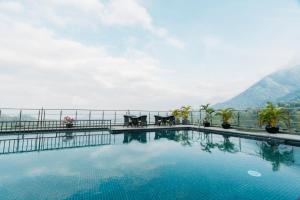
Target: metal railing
column 116, row 116
column 242, row 118
column 248, row 119
column 15, row 126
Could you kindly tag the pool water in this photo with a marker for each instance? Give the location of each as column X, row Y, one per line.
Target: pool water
column 153, row 165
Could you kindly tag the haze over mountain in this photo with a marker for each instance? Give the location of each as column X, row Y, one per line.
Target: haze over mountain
column 281, row 86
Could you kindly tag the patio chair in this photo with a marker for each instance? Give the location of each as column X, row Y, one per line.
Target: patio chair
column 163, row 120
column 142, row 120
column 134, row 120
column 171, row 120
column 158, row 120
column 128, row 120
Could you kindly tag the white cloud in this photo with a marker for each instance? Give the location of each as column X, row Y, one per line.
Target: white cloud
column 44, row 64
column 43, row 69
column 10, row 6
column 126, row 12
column 88, row 13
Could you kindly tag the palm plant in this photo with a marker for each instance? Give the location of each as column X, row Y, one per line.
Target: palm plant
column 177, row 113
column 185, row 111
column 271, row 115
column 226, row 114
column 208, row 114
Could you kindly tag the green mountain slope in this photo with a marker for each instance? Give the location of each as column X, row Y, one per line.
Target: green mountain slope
column 281, row 86
column 291, row 97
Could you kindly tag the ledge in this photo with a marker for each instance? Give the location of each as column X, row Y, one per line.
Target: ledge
column 291, row 139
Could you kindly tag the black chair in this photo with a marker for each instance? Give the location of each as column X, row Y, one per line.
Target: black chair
column 135, row 121
column 171, row 120
column 158, row 120
column 128, row 120
column 142, row 120
column 165, row 120
column 168, row 120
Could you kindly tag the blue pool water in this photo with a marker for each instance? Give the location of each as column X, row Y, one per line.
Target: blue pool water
column 153, row 165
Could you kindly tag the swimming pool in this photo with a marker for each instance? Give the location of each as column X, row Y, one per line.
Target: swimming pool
column 167, row 164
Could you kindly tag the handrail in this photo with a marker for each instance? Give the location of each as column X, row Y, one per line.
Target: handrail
column 30, row 125
column 123, row 110
column 244, row 118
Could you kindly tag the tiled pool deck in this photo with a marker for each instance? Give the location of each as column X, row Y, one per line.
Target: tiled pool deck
column 262, row 135
column 291, row 139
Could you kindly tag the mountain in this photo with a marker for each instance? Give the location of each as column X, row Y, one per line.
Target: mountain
column 281, row 86
column 291, row 97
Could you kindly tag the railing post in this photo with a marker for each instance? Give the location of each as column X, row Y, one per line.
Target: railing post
column 44, row 115
column 115, row 118
column 257, row 115
column 289, row 121
column 200, row 116
column 38, row 122
column 102, row 117
column 238, row 122
column 90, row 113
column 60, row 117
column 149, row 119
column 20, row 115
column 20, row 118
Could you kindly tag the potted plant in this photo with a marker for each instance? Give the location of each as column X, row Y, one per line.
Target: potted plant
column 176, row 113
column 68, row 121
column 226, row 114
column 185, row 111
column 208, row 115
column 270, row 116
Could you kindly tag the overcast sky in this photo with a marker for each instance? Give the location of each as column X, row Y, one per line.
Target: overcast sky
column 134, row 54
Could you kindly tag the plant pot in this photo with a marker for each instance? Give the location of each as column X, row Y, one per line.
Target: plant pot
column 185, row 121
column 69, row 125
column 206, row 124
column 270, row 129
column 226, row 125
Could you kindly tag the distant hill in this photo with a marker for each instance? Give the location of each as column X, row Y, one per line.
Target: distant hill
column 281, row 86
column 291, row 97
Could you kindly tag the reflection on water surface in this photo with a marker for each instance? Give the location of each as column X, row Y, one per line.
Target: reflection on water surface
column 166, row 164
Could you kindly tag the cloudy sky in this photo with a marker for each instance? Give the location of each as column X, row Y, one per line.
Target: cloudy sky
column 151, row 54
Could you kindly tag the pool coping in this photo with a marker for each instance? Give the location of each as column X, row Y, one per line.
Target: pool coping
column 290, row 139
column 285, row 138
